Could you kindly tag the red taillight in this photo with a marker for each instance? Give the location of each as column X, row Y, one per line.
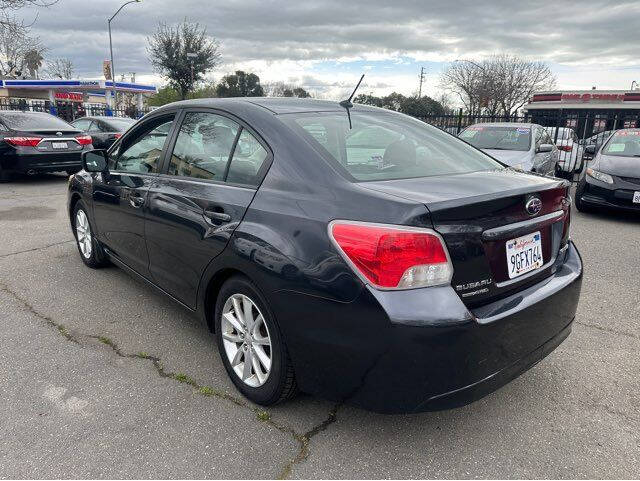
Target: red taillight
column 117, row 136
column 84, row 139
column 392, row 256
column 566, row 148
column 23, row 141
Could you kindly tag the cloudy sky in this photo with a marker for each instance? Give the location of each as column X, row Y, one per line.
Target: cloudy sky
column 324, row 45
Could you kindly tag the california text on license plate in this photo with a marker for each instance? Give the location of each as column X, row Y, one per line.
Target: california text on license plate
column 524, row 254
column 59, row 145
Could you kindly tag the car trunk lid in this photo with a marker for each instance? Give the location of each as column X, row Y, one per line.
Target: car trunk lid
column 477, row 213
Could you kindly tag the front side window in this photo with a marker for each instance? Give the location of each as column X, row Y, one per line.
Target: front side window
column 385, row 146
column 624, row 143
column 203, row 146
column 142, row 153
column 497, row 138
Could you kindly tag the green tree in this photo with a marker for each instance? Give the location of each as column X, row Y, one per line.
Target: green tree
column 183, row 54
column 165, row 95
column 240, row 84
column 414, row 106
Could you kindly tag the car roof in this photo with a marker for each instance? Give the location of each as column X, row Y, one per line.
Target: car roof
column 276, row 105
column 504, row 124
column 26, row 112
column 103, row 117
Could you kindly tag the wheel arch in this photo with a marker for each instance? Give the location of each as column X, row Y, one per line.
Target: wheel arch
column 211, row 291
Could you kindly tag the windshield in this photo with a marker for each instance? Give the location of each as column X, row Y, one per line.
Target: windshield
column 497, row 138
column 34, row 121
column 121, row 124
column 385, row 146
column 624, row 143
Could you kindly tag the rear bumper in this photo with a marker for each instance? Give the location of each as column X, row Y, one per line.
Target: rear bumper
column 421, row 350
column 43, row 162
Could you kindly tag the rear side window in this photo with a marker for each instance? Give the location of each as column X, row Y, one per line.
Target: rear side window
column 203, row 146
column 34, row 121
column 82, row 124
column 248, row 158
column 385, row 146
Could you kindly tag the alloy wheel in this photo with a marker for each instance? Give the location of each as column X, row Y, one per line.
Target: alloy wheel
column 83, row 234
column 246, row 340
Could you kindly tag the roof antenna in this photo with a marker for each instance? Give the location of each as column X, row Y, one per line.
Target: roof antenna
column 347, row 103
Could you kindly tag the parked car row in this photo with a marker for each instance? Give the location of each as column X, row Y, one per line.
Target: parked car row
column 37, row 142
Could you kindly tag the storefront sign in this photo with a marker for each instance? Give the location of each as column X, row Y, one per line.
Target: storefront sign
column 72, row 96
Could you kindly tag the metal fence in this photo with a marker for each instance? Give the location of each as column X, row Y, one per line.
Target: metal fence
column 570, row 132
column 69, row 111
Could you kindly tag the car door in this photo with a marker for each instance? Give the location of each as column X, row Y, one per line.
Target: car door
column 543, row 160
column 98, row 138
column 120, row 196
column 209, row 179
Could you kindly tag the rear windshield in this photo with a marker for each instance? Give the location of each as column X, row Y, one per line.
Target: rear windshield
column 624, row 143
column 34, row 121
column 563, row 133
column 385, row 146
column 497, row 138
column 120, row 124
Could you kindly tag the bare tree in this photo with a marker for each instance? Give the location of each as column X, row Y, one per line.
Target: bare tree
column 183, row 54
column 498, row 85
column 17, row 46
column 281, row 89
column 7, row 6
column 60, row 68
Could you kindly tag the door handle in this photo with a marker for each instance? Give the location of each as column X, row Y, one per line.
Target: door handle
column 217, row 216
column 136, row 201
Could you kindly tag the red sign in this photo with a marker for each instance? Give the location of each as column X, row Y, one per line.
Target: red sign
column 73, row 96
column 594, row 96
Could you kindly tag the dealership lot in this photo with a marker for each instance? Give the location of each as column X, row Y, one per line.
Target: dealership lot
column 102, row 377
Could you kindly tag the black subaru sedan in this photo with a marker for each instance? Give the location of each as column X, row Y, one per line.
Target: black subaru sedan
column 612, row 178
column 351, row 253
column 35, row 142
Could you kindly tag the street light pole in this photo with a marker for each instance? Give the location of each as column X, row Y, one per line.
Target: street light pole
column 113, row 70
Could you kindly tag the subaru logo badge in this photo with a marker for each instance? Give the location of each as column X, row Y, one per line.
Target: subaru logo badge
column 533, row 205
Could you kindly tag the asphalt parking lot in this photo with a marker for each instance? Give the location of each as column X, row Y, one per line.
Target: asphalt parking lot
column 103, row 377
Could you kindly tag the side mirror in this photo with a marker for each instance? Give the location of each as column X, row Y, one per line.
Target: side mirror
column 545, row 148
column 95, row 160
column 590, row 149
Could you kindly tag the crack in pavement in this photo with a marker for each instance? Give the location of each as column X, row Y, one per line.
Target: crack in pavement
column 303, row 440
column 608, row 329
column 36, row 249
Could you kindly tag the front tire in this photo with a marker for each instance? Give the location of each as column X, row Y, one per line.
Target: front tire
column 251, row 346
column 580, row 205
column 91, row 252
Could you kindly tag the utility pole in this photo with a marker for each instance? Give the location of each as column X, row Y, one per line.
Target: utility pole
column 421, row 80
column 113, row 70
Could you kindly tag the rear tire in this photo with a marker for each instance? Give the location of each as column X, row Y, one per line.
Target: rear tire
column 90, row 249
column 4, row 175
column 251, row 345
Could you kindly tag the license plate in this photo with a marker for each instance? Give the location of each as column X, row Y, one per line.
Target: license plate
column 524, row 254
column 636, row 197
column 59, row 145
